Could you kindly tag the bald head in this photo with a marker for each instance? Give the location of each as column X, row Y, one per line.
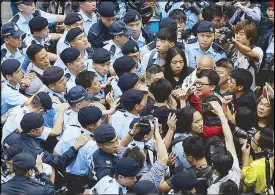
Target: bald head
column 206, row 63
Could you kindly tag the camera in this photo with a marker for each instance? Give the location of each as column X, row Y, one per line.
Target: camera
column 145, row 11
column 144, row 123
column 240, row 133
column 226, row 33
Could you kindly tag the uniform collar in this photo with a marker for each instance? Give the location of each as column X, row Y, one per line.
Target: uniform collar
column 118, row 50
column 210, row 50
column 8, row 54
column 141, row 39
column 36, row 69
column 60, row 95
column 73, row 77
column 99, row 77
column 22, row 19
column 86, row 18
column 124, row 190
column 129, row 115
column 9, row 85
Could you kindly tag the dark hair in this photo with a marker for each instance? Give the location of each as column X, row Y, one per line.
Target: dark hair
column 36, row 103
column 154, row 69
column 211, row 11
column 161, row 89
column 169, row 74
column 222, row 160
column 210, row 144
column 131, row 106
column 194, row 146
column 136, row 154
column 167, row 34
column 225, row 63
column 33, row 50
column 185, row 119
column 243, row 78
column 178, row 14
column 244, row 118
column 266, row 139
column 212, row 76
column 85, row 79
column 271, row 116
column 19, row 172
column 229, row 187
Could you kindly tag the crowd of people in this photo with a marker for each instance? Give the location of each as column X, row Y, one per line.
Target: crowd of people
column 142, row 97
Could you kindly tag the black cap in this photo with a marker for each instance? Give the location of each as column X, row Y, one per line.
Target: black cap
column 23, row 161
column 89, row 115
column 52, row 75
column 205, row 26
column 72, row 17
column 38, row 23
column 10, row 66
column 10, row 152
column 119, row 28
column 185, row 180
column 145, row 187
column 45, row 100
column 69, row 55
column 124, row 64
column 78, row 93
column 130, row 47
column 31, row 121
column 127, row 167
column 168, row 23
column 127, row 81
column 107, row 9
column 132, row 97
column 132, row 16
column 11, row 29
column 26, row 2
column 104, row 133
column 101, row 55
column 72, row 34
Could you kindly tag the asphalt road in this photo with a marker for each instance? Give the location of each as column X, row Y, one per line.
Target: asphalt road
column 6, row 13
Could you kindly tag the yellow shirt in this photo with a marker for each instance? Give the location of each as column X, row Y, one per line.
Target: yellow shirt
column 254, row 175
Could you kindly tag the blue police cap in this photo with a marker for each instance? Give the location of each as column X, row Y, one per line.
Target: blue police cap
column 23, row 161
column 72, row 34
column 205, row 26
column 26, row 2
column 185, row 180
column 104, row 133
column 145, row 187
column 127, row 81
column 10, row 66
column 127, row 167
column 11, row 29
column 11, row 151
column 124, row 64
column 34, row 87
column 89, row 115
column 72, row 17
column 45, row 100
column 38, row 23
column 130, row 47
column 69, row 55
column 131, row 97
column 107, row 9
column 119, row 28
column 132, row 16
column 31, row 121
column 168, row 23
column 52, row 75
column 101, row 55
column 78, row 93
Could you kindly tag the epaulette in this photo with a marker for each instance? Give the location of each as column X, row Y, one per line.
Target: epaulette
column 3, row 53
column 15, row 18
column 33, row 42
column 190, row 41
column 36, row 13
column 113, row 50
column 151, row 45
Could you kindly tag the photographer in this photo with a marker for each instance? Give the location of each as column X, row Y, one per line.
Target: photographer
column 254, row 173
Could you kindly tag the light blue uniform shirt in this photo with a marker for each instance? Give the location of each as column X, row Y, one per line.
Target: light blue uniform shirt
column 116, row 88
column 101, row 80
column 191, row 20
column 19, row 54
column 194, row 53
column 87, row 22
column 61, row 45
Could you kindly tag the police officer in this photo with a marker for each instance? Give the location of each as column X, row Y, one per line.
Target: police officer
column 128, row 81
column 203, row 45
column 12, row 36
column 23, row 165
column 72, row 20
column 121, row 35
column 87, row 11
column 27, row 11
column 74, row 62
column 125, row 176
column 99, row 34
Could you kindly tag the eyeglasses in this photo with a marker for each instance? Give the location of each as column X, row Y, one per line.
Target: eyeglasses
column 199, row 84
column 114, row 143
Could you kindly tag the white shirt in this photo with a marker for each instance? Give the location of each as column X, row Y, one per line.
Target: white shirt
column 71, row 81
column 118, row 52
column 19, row 54
column 29, row 39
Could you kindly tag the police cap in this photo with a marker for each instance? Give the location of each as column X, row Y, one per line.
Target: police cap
column 131, row 98
column 101, row 55
column 45, row 100
column 104, row 133
column 52, row 75
column 124, row 64
column 107, row 9
column 185, row 180
column 127, row 81
column 10, row 66
column 38, row 23
column 72, row 34
column 69, row 55
column 10, row 152
column 127, row 167
column 132, row 16
column 31, row 121
column 119, row 28
column 72, row 17
column 34, row 87
column 168, row 23
column 89, row 115
column 130, row 47
column 26, row 2
column 145, row 187
column 205, row 26
column 11, row 29
column 23, row 161
column 78, row 93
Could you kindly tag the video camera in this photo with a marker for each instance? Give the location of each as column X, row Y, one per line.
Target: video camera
column 226, row 33
column 194, row 6
column 145, row 11
column 240, row 133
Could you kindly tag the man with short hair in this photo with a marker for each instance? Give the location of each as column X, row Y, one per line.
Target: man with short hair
column 214, row 14
column 87, row 11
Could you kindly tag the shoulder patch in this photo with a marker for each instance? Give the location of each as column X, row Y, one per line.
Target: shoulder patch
column 90, row 52
column 3, row 53
column 113, row 50
column 36, row 13
column 33, row 42
column 190, row 41
column 67, row 76
column 15, row 18
column 151, row 45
